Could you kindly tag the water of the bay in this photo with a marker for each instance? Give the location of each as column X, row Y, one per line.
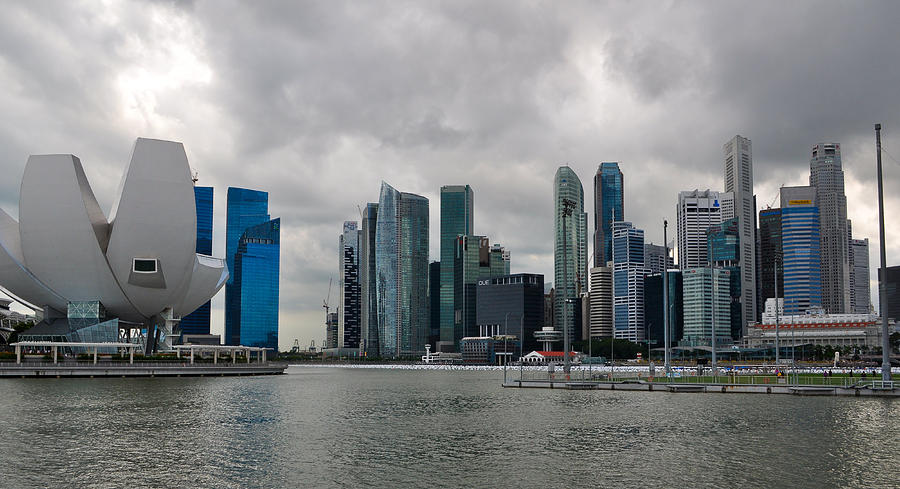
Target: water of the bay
column 340, row 427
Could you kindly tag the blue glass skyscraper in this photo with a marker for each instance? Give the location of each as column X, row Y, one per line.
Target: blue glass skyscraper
column 197, row 322
column 609, row 206
column 246, row 208
column 800, row 243
column 401, row 267
column 256, row 274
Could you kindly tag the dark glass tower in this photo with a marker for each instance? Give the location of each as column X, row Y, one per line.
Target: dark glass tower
column 197, row 322
column 769, row 253
column 609, row 206
column 368, row 297
column 256, row 273
column 457, row 219
column 724, row 251
column 246, row 208
column 653, row 308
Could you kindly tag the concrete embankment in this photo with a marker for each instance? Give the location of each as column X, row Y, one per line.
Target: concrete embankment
column 724, row 388
column 137, row 370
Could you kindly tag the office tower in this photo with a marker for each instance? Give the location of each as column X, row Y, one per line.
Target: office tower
column 892, row 287
column 245, row 208
column 653, row 308
column 827, row 177
column 348, row 286
column 331, row 330
column 697, row 211
column 602, row 301
column 724, row 251
column 739, row 181
column 609, row 206
column 457, row 218
column 197, row 322
column 860, row 296
column 570, row 272
column 434, row 304
column 401, row 267
column 511, row 304
column 368, row 299
column 256, row 274
column 707, row 301
column 500, row 261
column 800, row 243
column 769, row 257
column 628, row 281
column 474, row 261
column 655, row 259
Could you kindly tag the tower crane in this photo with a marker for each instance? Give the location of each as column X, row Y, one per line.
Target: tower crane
column 772, row 202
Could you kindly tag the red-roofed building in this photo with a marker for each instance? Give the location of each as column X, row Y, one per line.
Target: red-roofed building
column 542, row 357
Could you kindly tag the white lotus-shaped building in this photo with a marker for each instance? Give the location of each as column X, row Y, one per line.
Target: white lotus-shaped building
column 139, row 263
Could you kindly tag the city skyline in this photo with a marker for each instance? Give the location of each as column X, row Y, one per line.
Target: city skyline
column 579, row 88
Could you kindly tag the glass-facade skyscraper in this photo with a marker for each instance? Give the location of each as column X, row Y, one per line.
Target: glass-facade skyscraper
column 401, row 267
column 724, row 251
column 628, row 281
column 570, row 272
column 256, row 274
column 245, row 208
column 197, row 322
column 800, row 241
column 769, row 257
column 368, row 298
column 457, row 219
column 609, row 206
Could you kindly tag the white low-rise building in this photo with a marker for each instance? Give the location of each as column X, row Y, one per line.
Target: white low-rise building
column 863, row 330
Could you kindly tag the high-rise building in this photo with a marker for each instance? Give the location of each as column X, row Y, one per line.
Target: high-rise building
column 860, row 294
column 655, row 259
column 474, row 261
column 401, row 267
column 434, row 303
column 827, row 177
column 724, row 251
column 707, row 301
column 769, row 257
column 245, row 208
column 513, row 305
column 601, row 297
column 256, row 275
column 500, row 261
column 697, row 211
column 549, row 313
column 653, row 308
column 800, row 245
column 628, row 281
column 609, row 206
column 331, row 330
column 368, row 298
column 457, row 218
column 739, row 181
column 197, row 322
column 892, row 289
column 569, row 264
column 349, row 287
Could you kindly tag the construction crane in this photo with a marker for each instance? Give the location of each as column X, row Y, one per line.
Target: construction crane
column 327, row 298
column 772, row 202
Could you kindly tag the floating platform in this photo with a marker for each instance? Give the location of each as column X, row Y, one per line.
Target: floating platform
column 723, row 388
column 50, row 370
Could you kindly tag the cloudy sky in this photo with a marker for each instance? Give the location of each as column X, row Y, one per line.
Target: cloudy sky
column 317, row 102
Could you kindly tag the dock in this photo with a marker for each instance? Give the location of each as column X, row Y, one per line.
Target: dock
column 148, row 369
column 862, row 389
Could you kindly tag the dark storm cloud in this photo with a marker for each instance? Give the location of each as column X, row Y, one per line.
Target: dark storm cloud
column 318, row 102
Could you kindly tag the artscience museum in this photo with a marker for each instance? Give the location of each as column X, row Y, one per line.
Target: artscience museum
column 129, row 276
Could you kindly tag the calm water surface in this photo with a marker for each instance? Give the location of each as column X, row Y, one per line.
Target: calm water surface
column 334, row 427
